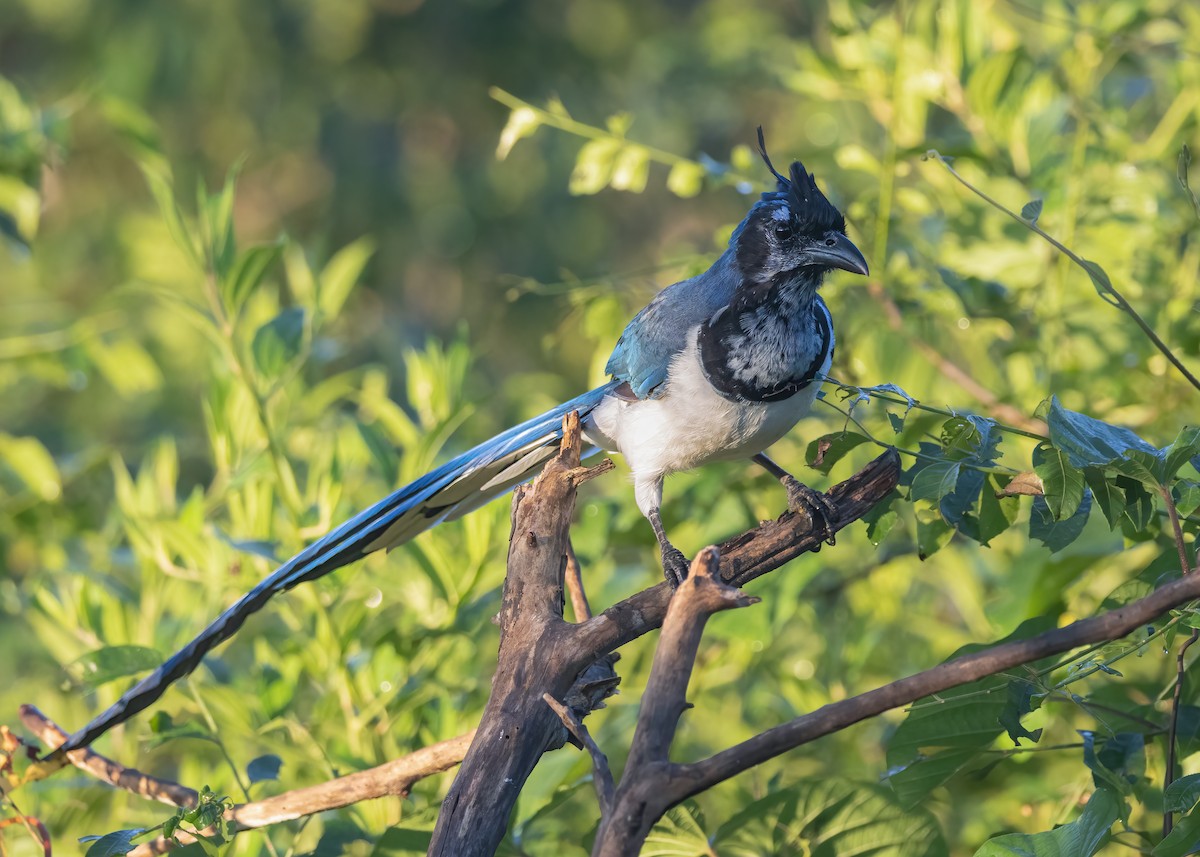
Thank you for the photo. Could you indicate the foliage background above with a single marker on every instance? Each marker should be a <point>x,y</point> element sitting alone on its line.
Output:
<point>151,456</point>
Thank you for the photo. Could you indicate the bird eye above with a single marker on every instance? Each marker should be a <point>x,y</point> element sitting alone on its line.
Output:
<point>783,231</point>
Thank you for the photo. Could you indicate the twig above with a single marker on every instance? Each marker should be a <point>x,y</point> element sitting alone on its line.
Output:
<point>1185,567</point>
<point>603,778</point>
<point>1169,776</point>
<point>393,778</point>
<point>105,769</point>
<point>1092,270</point>
<point>575,591</point>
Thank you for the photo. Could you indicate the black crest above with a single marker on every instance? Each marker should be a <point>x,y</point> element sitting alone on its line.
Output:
<point>811,211</point>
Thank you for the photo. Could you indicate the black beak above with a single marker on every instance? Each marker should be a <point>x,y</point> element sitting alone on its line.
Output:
<point>838,251</point>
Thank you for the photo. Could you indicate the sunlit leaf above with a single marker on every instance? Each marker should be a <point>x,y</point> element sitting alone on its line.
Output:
<point>341,274</point>
<point>112,662</point>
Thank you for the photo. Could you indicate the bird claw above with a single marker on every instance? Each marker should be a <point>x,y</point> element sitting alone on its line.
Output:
<point>818,507</point>
<point>675,566</point>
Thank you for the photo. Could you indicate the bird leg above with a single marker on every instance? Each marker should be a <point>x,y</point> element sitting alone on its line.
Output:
<point>675,564</point>
<point>818,507</point>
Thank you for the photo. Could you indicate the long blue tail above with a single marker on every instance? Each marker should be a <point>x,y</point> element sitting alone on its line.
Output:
<point>453,489</point>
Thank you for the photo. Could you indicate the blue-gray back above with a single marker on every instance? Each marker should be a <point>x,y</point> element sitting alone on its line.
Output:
<point>659,332</point>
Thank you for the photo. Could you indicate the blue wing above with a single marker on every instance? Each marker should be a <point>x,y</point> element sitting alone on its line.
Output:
<point>644,352</point>
<point>451,490</point>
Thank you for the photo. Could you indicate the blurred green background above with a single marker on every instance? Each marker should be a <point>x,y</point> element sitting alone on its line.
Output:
<point>412,293</point>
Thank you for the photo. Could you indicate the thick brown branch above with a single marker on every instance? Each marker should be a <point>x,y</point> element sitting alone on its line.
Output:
<point>696,777</point>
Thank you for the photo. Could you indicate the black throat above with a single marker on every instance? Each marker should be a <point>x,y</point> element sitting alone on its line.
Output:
<point>768,344</point>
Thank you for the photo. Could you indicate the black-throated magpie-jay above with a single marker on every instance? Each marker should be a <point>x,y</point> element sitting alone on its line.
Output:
<point>716,367</point>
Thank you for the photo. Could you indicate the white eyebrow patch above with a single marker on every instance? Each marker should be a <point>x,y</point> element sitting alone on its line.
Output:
<point>781,213</point>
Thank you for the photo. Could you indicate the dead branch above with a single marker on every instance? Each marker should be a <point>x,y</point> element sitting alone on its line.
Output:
<point>394,778</point>
<point>105,769</point>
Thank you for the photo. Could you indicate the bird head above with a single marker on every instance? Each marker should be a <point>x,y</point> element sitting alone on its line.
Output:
<point>794,231</point>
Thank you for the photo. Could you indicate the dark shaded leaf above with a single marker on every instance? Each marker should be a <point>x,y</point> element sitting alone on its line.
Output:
<point>264,768</point>
<point>112,844</point>
<point>1108,496</point>
<point>1056,535</point>
<point>1023,698</point>
<point>1120,761</point>
<point>278,342</point>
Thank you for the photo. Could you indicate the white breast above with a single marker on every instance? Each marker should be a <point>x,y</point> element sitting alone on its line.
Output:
<point>692,424</point>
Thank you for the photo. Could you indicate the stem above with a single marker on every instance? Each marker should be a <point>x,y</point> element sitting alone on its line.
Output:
<point>1185,566</point>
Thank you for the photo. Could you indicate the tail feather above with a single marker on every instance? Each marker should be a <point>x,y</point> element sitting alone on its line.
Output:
<point>462,484</point>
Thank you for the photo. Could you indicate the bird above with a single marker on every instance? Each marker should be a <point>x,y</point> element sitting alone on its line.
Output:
<point>716,367</point>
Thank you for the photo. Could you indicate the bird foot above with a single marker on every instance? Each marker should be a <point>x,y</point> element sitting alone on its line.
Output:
<point>675,566</point>
<point>818,507</point>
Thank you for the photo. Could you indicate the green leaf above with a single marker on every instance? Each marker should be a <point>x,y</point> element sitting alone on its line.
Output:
<point>1080,838</point>
<point>341,273</point>
<point>1062,483</point>
<point>1145,467</point>
<point>277,342</point>
<point>827,817</point>
<point>32,464</point>
<point>1107,494</point>
<point>1032,210</point>
<point>996,513</point>
<point>679,831</point>
<point>163,192</point>
<point>827,450</point>
<point>248,272</point>
<point>1139,503</point>
<point>112,662</point>
<point>935,481</point>
<point>1100,281</point>
<point>113,844</point>
<point>943,734</point>
<point>1186,494</point>
<point>402,842</point>
<point>264,768</point>
<point>1185,446</point>
<point>522,122</point>
<point>1088,441</point>
<point>1121,761</point>
<point>686,179</point>
<point>594,166</point>
<point>1056,535</point>
<point>1183,794</point>
<point>1181,173</point>
<point>631,169</point>
<point>881,518</point>
<point>933,534</point>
